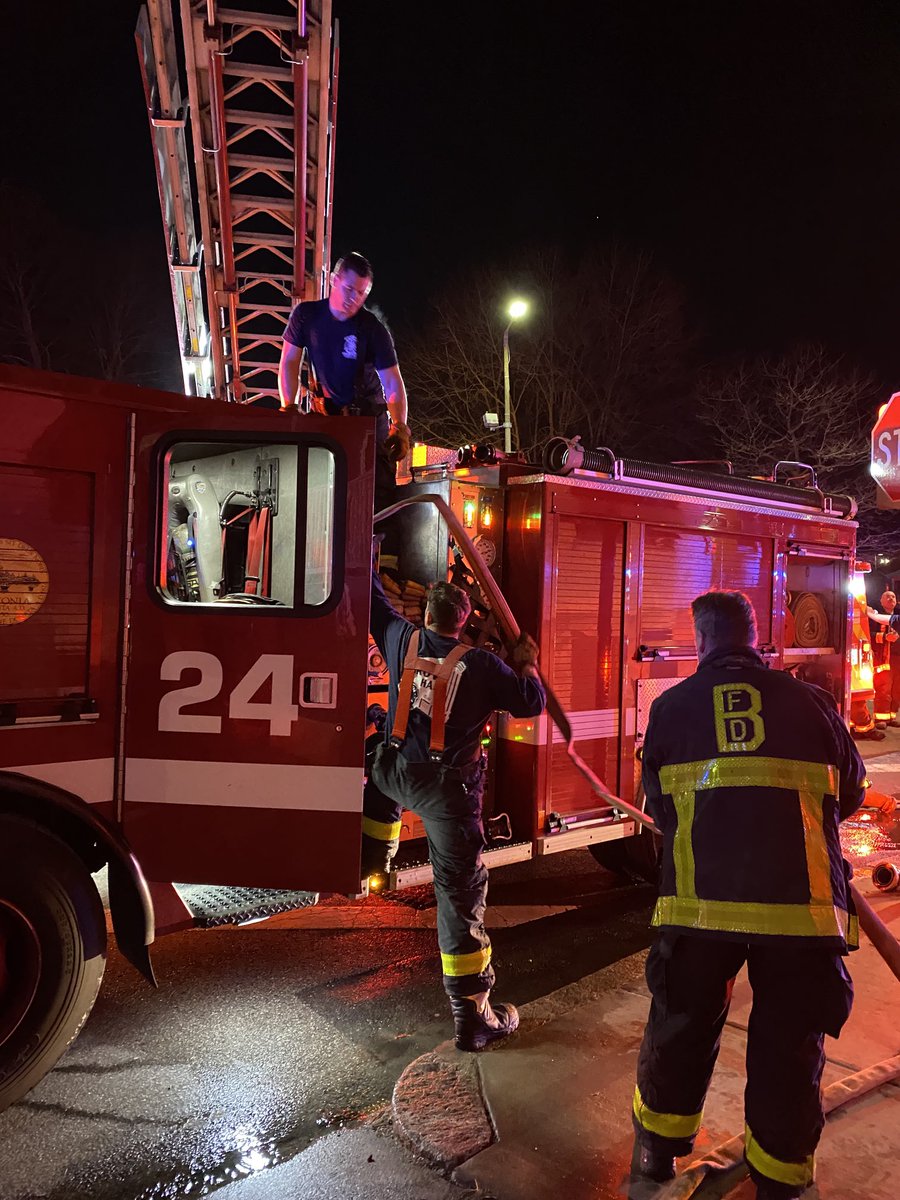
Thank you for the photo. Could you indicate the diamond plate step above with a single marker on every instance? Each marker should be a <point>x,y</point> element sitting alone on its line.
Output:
<point>211,906</point>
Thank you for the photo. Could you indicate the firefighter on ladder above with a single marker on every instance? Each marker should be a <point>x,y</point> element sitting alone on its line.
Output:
<point>338,358</point>
<point>441,694</point>
<point>747,773</point>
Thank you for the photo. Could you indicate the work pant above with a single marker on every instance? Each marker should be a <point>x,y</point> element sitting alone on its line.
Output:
<point>799,994</point>
<point>885,704</point>
<point>449,805</point>
<point>861,720</point>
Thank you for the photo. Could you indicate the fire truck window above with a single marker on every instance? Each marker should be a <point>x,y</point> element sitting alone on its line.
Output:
<point>230,534</point>
<point>319,526</point>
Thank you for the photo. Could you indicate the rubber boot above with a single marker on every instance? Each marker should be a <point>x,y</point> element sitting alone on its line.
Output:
<point>655,1164</point>
<point>474,1030</point>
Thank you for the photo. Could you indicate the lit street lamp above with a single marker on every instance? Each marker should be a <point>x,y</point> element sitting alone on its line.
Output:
<point>516,309</point>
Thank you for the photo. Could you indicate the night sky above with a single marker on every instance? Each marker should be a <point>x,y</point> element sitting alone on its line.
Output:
<point>754,148</point>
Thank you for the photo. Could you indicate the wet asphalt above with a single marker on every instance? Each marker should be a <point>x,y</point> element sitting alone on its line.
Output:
<point>263,1040</point>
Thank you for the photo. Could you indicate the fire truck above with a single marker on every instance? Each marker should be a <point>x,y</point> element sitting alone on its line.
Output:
<point>185,684</point>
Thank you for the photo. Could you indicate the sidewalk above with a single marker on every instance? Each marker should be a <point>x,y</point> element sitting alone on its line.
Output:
<point>548,1113</point>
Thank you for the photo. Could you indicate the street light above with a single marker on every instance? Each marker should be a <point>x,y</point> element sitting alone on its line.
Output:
<point>515,310</point>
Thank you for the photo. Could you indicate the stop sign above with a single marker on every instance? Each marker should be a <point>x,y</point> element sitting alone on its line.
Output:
<point>885,463</point>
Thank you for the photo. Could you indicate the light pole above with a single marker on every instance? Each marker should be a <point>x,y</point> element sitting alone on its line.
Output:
<point>516,309</point>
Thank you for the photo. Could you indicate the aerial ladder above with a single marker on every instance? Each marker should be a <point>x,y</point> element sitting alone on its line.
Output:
<point>244,164</point>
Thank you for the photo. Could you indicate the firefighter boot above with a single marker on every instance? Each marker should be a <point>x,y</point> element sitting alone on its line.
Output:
<point>772,1190</point>
<point>655,1164</point>
<point>477,1025</point>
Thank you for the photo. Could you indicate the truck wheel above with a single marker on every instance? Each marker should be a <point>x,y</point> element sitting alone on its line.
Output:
<point>635,858</point>
<point>52,952</point>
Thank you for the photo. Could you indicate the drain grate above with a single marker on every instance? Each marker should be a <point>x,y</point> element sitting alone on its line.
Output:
<point>211,906</point>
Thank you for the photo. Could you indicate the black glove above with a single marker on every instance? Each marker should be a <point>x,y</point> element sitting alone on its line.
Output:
<point>397,443</point>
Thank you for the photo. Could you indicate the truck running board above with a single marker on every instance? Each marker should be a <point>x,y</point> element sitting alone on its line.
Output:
<point>417,874</point>
<point>211,906</point>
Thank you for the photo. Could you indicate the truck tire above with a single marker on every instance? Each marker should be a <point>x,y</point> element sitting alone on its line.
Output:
<point>52,952</point>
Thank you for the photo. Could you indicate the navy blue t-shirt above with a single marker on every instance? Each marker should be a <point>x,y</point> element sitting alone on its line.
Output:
<point>336,348</point>
<point>481,684</point>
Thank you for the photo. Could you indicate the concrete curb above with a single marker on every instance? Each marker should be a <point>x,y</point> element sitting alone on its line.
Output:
<point>439,1108</point>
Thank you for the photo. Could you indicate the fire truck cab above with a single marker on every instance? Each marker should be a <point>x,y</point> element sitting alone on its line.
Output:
<point>184,668</point>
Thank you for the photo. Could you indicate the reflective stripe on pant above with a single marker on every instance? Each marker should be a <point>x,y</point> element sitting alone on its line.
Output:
<point>380,832</point>
<point>455,840</point>
<point>799,994</point>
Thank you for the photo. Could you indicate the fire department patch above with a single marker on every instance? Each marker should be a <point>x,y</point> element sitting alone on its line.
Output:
<point>24,581</point>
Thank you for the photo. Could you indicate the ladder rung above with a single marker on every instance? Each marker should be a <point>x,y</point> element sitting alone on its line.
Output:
<point>280,203</point>
<point>249,238</point>
<point>244,116</point>
<point>261,161</point>
<point>255,70</point>
<point>273,276</point>
<point>234,16</point>
<point>264,308</point>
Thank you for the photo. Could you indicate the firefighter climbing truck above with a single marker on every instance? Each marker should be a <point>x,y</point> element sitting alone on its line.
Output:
<point>184,670</point>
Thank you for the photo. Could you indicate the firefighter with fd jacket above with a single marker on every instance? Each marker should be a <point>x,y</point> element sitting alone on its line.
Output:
<point>440,696</point>
<point>747,773</point>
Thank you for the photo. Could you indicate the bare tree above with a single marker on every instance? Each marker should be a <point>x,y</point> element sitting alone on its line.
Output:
<point>605,336</point>
<point>28,237</point>
<point>807,406</point>
<point>118,337</point>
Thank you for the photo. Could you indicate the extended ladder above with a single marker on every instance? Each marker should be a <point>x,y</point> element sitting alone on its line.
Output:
<point>249,157</point>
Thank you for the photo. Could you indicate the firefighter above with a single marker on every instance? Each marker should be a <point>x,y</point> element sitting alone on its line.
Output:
<point>747,773</point>
<point>885,636</point>
<point>344,357</point>
<point>441,694</point>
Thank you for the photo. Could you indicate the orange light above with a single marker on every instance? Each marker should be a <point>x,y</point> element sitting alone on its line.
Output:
<point>487,514</point>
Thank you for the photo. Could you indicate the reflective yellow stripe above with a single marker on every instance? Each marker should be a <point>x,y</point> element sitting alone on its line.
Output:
<point>812,782</point>
<point>794,1174</point>
<point>735,916</point>
<point>852,935</point>
<point>381,831</point>
<point>682,844</point>
<point>466,964</point>
<point>744,770</point>
<point>818,862</point>
<point>670,1125</point>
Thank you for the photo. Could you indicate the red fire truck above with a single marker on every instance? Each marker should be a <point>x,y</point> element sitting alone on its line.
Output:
<point>184,692</point>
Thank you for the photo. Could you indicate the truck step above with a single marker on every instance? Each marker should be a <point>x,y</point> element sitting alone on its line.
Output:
<point>210,905</point>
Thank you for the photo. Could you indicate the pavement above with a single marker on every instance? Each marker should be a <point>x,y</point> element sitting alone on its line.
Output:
<point>547,1113</point>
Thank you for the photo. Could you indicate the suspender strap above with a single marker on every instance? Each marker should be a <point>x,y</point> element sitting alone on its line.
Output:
<point>442,676</point>
<point>439,700</point>
<point>401,716</point>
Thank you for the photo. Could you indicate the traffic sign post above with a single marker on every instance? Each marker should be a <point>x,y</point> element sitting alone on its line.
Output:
<point>885,461</point>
